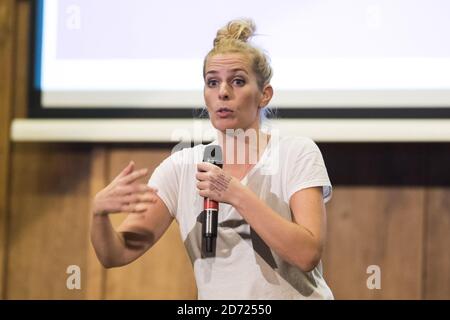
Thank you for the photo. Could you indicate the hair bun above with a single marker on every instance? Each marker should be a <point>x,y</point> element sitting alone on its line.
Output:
<point>241,29</point>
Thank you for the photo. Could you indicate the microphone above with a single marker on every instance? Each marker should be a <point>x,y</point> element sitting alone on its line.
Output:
<point>212,154</point>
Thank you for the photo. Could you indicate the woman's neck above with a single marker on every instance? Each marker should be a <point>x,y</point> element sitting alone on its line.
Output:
<point>241,147</point>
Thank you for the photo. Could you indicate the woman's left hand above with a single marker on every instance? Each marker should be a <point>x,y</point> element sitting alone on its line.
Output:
<point>216,184</point>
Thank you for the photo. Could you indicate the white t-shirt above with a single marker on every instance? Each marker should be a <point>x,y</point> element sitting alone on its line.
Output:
<point>244,267</point>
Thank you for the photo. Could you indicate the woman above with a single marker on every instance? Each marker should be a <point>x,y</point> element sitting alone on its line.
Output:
<point>272,220</point>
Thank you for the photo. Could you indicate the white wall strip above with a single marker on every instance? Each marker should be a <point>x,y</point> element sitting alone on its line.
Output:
<point>175,130</point>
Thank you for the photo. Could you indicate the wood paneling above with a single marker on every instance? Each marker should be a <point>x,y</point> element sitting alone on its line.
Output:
<point>46,191</point>
<point>437,253</point>
<point>375,226</point>
<point>7,10</point>
<point>163,272</point>
<point>48,228</point>
<point>21,63</point>
<point>95,273</point>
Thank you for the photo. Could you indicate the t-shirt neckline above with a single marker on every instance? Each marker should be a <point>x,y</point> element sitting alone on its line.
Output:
<point>258,164</point>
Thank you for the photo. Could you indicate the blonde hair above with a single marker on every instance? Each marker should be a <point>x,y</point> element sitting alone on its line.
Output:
<point>233,38</point>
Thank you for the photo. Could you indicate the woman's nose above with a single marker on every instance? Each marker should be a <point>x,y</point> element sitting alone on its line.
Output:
<point>224,91</point>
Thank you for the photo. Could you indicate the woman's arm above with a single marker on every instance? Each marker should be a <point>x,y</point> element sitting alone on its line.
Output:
<point>148,218</point>
<point>137,234</point>
<point>299,242</point>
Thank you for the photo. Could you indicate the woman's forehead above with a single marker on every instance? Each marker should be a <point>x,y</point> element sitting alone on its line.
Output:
<point>228,62</point>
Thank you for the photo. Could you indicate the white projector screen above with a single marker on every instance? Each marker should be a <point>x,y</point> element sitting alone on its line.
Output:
<point>114,56</point>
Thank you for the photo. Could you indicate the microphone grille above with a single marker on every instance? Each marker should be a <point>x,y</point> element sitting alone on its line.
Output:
<point>213,154</point>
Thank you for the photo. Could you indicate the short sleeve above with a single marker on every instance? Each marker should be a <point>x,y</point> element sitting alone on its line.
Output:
<point>306,168</point>
<point>165,178</point>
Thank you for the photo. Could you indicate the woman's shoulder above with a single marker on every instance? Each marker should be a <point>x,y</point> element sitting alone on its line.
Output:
<point>187,154</point>
<point>297,144</point>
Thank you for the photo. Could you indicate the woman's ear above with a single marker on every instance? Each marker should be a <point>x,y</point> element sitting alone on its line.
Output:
<point>266,95</point>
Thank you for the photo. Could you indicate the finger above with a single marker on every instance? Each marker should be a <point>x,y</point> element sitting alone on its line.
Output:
<point>107,207</point>
<point>135,207</point>
<point>204,193</point>
<point>139,197</point>
<point>201,176</point>
<point>127,170</point>
<point>202,185</point>
<point>205,166</point>
<point>133,188</point>
<point>134,176</point>
<point>148,197</point>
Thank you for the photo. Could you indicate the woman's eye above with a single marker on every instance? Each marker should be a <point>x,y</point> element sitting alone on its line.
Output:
<point>239,82</point>
<point>211,83</point>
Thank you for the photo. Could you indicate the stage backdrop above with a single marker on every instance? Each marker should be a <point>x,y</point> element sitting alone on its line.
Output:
<point>390,209</point>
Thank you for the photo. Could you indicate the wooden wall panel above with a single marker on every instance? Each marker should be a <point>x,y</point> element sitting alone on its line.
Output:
<point>375,226</point>
<point>7,9</point>
<point>49,220</point>
<point>21,63</point>
<point>437,254</point>
<point>163,272</point>
<point>95,273</point>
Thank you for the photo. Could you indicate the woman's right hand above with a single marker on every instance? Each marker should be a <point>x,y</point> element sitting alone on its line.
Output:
<point>123,195</point>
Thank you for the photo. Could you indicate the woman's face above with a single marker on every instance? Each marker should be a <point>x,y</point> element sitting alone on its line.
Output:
<point>231,92</point>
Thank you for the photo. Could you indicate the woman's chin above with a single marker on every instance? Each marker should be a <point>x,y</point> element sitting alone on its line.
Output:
<point>223,124</point>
